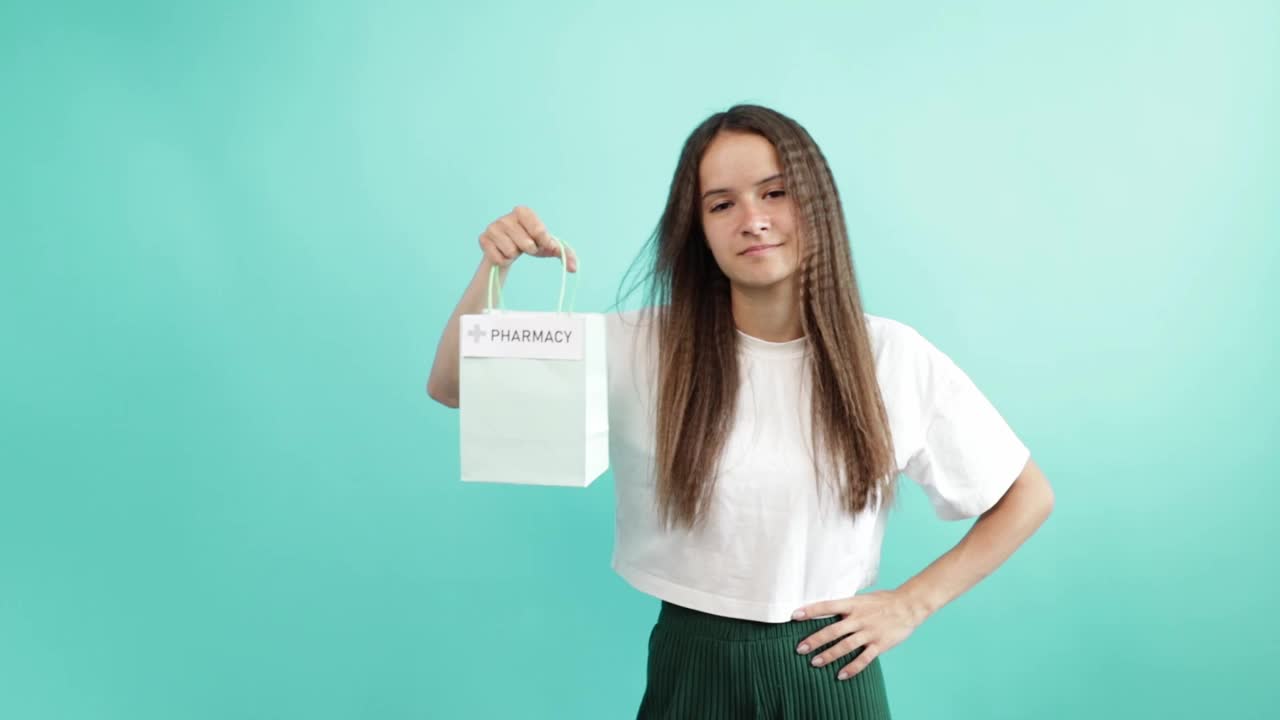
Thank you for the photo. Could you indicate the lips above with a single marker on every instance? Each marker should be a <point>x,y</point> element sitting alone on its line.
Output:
<point>759,249</point>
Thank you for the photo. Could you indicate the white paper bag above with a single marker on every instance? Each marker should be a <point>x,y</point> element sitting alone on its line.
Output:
<point>533,397</point>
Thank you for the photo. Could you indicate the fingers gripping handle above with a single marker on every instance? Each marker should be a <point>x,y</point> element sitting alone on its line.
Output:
<point>496,288</point>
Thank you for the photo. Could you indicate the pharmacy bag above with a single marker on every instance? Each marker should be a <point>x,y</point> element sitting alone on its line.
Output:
<point>533,394</point>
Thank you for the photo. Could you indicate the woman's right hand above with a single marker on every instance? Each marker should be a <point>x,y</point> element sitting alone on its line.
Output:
<point>517,233</point>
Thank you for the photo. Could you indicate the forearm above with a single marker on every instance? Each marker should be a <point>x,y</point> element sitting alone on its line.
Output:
<point>442,385</point>
<point>995,535</point>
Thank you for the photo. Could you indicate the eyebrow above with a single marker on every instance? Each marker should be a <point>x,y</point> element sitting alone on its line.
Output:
<point>771,178</point>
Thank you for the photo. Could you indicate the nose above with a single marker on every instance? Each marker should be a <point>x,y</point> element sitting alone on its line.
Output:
<point>757,224</point>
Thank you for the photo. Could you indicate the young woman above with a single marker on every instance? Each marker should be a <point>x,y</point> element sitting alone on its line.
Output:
<point>758,420</point>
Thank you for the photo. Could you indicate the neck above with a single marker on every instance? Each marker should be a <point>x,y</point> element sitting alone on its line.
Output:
<point>771,313</point>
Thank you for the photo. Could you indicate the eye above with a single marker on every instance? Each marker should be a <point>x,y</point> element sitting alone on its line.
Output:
<point>717,206</point>
<point>776,193</point>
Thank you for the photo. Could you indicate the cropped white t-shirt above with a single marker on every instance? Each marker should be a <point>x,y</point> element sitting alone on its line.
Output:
<point>772,542</point>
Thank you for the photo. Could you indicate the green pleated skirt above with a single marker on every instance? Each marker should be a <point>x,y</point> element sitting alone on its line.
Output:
<point>708,667</point>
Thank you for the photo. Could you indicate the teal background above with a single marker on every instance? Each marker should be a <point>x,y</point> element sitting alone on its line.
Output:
<point>232,236</point>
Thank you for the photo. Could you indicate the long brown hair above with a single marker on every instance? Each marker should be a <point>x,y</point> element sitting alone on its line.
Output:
<point>689,309</point>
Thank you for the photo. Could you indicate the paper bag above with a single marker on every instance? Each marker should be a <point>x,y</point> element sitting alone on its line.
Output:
<point>533,397</point>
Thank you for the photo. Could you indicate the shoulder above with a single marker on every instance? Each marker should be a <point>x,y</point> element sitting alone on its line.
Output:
<point>883,328</point>
<point>626,317</point>
<point>909,367</point>
<point>633,367</point>
<point>626,325</point>
<point>893,341</point>
<point>630,337</point>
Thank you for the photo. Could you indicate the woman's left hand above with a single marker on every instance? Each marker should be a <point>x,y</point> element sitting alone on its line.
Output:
<point>876,620</point>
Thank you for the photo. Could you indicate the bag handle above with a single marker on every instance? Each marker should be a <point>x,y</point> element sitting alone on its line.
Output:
<point>494,285</point>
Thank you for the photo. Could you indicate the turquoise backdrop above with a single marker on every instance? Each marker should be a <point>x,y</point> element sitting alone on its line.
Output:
<point>232,234</point>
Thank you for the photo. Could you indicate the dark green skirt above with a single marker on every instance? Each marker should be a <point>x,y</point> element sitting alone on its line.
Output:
<point>706,667</point>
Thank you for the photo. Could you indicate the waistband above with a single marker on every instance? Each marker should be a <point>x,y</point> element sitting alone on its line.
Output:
<point>688,621</point>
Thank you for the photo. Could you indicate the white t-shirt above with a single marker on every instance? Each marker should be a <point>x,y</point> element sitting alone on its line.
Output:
<point>771,542</point>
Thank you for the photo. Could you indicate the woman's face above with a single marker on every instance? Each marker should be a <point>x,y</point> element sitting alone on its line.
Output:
<point>747,214</point>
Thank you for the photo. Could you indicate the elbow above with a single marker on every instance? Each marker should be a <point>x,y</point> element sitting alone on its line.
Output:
<point>1046,506</point>
<point>1034,494</point>
<point>437,393</point>
<point>1046,496</point>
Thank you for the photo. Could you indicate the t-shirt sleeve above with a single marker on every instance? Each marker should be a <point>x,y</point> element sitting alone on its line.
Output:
<point>968,456</point>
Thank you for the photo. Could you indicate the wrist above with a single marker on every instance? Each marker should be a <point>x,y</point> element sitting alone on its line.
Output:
<point>487,265</point>
<point>919,601</point>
